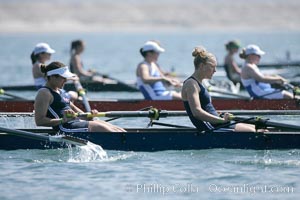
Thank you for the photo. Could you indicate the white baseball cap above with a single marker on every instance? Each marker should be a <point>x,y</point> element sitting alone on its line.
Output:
<point>152,46</point>
<point>43,48</point>
<point>254,49</point>
<point>62,71</point>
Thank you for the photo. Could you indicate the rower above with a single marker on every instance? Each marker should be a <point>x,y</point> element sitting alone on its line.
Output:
<point>53,107</point>
<point>257,84</point>
<point>196,98</point>
<point>40,55</point>
<point>77,67</point>
<point>232,69</point>
<point>150,78</point>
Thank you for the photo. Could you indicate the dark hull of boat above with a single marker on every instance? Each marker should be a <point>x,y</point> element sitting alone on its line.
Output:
<point>220,104</point>
<point>90,86</point>
<point>168,139</point>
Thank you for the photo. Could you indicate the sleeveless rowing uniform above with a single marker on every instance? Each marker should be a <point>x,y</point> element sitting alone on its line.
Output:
<point>231,75</point>
<point>259,90</point>
<point>154,91</point>
<point>40,81</point>
<point>82,78</point>
<point>206,105</point>
<point>60,103</point>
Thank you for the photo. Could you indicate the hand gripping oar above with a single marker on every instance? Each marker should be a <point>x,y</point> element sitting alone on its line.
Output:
<point>296,90</point>
<point>3,92</point>
<point>228,124</point>
<point>264,123</point>
<point>210,89</point>
<point>81,92</point>
<point>48,138</point>
<point>154,114</point>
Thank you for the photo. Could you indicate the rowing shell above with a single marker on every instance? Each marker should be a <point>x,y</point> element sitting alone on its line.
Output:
<point>156,139</point>
<point>90,86</point>
<point>114,105</point>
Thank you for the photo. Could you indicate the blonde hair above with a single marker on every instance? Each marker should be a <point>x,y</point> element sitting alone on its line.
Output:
<point>202,56</point>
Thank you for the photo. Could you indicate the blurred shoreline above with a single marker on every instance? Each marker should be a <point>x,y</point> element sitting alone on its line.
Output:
<point>148,16</point>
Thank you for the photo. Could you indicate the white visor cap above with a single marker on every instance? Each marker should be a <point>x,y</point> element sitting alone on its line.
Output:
<point>152,46</point>
<point>254,49</point>
<point>43,48</point>
<point>62,71</point>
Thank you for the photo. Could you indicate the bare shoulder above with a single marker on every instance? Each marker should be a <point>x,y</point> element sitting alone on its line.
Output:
<point>191,85</point>
<point>228,59</point>
<point>142,65</point>
<point>43,93</point>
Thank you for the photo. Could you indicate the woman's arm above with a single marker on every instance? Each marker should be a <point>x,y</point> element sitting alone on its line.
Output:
<point>192,95</point>
<point>76,63</point>
<point>264,78</point>
<point>143,72</point>
<point>233,65</point>
<point>41,104</point>
<point>75,108</point>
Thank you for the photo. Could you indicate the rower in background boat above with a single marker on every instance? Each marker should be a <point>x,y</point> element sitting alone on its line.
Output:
<point>232,69</point>
<point>77,67</point>
<point>196,98</point>
<point>40,55</point>
<point>52,105</point>
<point>150,78</point>
<point>257,84</point>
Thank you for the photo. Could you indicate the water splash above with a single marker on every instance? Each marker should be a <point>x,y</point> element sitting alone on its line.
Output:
<point>87,153</point>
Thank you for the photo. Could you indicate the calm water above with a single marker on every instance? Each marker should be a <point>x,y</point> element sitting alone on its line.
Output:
<point>205,174</point>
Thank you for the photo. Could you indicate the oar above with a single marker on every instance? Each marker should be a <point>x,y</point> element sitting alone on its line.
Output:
<point>263,123</point>
<point>143,109</point>
<point>179,113</point>
<point>117,80</point>
<point>3,92</point>
<point>261,112</point>
<point>153,114</point>
<point>49,138</point>
<point>81,92</point>
<point>210,89</point>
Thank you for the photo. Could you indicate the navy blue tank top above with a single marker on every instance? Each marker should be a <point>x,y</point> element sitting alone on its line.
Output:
<point>60,103</point>
<point>206,105</point>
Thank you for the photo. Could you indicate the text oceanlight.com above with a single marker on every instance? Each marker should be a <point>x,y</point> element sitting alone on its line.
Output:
<point>252,189</point>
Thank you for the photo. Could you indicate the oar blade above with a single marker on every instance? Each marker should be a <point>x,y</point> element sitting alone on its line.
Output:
<point>74,140</point>
<point>25,134</point>
<point>48,138</point>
